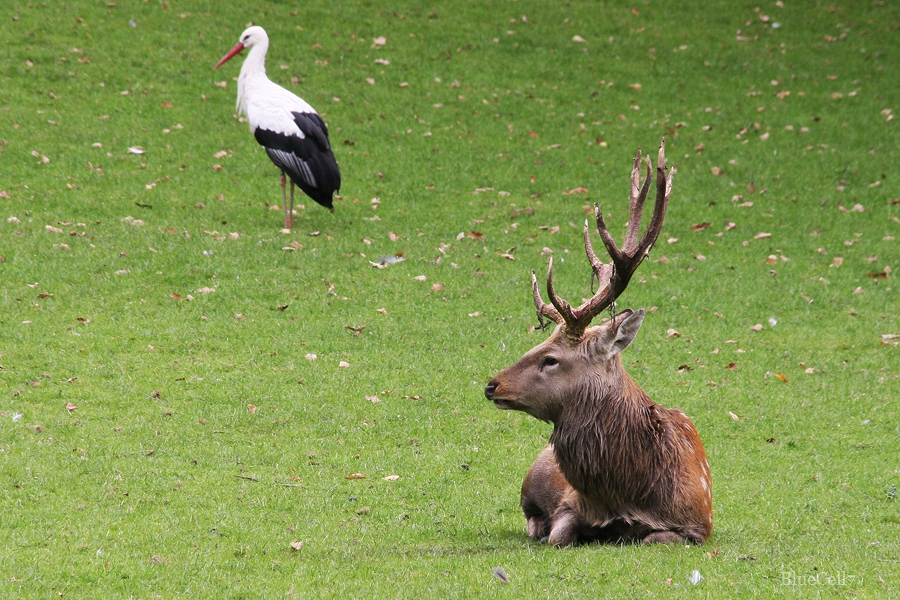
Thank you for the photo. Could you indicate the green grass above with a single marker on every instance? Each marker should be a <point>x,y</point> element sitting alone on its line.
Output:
<point>164,484</point>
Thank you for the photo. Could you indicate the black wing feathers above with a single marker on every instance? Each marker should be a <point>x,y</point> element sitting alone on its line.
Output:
<point>308,161</point>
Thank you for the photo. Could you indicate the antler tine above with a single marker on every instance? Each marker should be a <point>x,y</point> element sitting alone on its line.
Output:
<point>601,271</point>
<point>564,308</point>
<point>596,263</point>
<point>663,191</point>
<point>638,197</point>
<point>544,310</point>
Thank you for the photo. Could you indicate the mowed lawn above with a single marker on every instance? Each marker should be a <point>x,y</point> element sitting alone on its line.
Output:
<point>195,404</point>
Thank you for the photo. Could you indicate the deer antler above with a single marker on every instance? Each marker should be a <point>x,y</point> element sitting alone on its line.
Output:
<point>613,277</point>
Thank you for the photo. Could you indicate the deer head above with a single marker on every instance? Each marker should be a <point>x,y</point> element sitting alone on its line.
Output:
<point>541,380</point>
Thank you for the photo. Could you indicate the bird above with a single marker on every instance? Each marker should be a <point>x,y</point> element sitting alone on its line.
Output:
<point>290,130</point>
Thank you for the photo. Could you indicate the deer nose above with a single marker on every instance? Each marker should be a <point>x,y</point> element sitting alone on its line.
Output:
<point>489,390</point>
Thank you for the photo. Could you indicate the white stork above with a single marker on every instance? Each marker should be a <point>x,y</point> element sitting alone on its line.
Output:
<point>292,132</point>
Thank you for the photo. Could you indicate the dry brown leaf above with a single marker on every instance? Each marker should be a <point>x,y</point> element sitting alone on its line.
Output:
<point>71,407</point>
<point>375,399</point>
<point>699,226</point>
<point>757,327</point>
<point>297,545</point>
<point>393,236</point>
<point>780,377</point>
<point>762,235</point>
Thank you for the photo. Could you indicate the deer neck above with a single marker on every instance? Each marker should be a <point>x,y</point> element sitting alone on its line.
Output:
<point>601,431</point>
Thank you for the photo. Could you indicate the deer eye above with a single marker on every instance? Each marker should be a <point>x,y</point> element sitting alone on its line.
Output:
<point>548,361</point>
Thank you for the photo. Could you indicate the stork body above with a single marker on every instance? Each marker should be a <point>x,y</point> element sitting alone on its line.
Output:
<point>293,134</point>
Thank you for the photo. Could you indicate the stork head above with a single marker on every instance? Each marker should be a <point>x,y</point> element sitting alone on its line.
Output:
<point>252,36</point>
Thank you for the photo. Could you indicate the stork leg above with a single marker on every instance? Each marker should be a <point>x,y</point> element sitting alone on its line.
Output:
<point>284,200</point>
<point>290,215</point>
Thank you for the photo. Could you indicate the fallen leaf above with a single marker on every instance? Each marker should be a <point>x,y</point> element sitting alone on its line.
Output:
<point>297,545</point>
<point>699,226</point>
<point>310,356</point>
<point>71,407</point>
<point>475,235</point>
<point>251,408</point>
<point>757,327</point>
<point>762,235</point>
<point>734,416</point>
<point>578,190</point>
<point>780,377</point>
<point>393,236</point>
<point>392,478</point>
<point>355,476</point>
<point>373,398</point>
<point>381,310</point>
<point>672,333</point>
<point>343,364</point>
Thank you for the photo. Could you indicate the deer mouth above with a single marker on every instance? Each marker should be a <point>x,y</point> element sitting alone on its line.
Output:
<point>505,404</point>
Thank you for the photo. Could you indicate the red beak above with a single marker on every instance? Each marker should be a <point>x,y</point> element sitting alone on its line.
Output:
<point>236,50</point>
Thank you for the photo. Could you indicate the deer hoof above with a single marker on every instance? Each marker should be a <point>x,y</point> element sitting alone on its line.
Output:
<point>663,537</point>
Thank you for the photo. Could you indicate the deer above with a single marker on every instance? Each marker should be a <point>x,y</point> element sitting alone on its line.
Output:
<point>619,468</point>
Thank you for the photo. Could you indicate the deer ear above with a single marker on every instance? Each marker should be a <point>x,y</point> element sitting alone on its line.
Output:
<point>620,332</point>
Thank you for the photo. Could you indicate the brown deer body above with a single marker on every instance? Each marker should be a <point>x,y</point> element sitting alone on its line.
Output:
<point>619,467</point>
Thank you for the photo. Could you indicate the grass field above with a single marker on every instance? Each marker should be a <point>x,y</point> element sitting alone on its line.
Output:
<point>173,410</point>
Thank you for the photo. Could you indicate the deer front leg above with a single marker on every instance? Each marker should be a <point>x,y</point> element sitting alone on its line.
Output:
<point>565,522</point>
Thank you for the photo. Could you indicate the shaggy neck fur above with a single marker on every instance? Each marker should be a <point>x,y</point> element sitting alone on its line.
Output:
<point>600,446</point>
